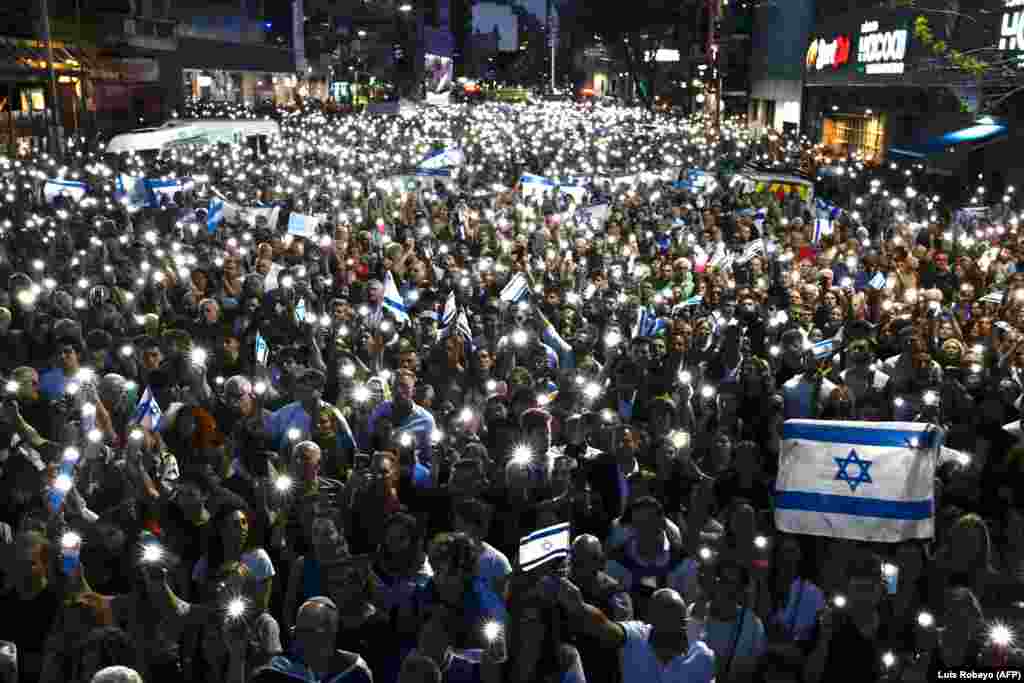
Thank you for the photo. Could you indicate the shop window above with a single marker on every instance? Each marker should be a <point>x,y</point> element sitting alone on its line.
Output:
<point>33,99</point>
<point>864,135</point>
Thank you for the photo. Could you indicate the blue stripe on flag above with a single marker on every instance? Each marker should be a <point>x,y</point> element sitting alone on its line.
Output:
<point>433,172</point>
<point>537,180</point>
<point>561,552</point>
<point>544,533</point>
<point>839,434</point>
<point>854,505</point>
<point>396,305</point>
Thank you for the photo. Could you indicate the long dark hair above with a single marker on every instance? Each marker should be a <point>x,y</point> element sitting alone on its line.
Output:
<point>215,550</point>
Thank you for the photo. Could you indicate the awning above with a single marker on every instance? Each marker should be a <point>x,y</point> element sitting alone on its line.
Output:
<point>983,131</point>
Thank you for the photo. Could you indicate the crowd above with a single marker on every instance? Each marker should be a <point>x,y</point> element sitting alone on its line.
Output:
<point>300,416</point>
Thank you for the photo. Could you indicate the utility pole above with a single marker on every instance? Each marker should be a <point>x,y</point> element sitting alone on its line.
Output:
<point>551,39</point>
<point>55,129</point>
<point>713,81</point>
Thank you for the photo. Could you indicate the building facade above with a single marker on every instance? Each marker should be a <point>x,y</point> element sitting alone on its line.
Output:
<point>875,90</point>
<point>780,36</point>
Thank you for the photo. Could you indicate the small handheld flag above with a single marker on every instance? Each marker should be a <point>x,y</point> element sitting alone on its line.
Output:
<point>450,310</point>
<point>262,349</point>
<point>516,289</point>
<point>393,300</point>
<point>543,546</point>
<point>147,411</point>
<point>214,214</point>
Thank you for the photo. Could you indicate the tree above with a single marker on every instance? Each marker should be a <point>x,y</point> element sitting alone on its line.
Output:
<point>996,73</point>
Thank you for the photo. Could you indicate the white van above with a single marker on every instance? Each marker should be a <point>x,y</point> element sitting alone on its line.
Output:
<point>179,132</point>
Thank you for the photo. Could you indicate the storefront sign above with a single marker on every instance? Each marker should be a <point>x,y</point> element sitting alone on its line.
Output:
<point>1012,35</point>
<point>882,52</point>
<point>823,53</point>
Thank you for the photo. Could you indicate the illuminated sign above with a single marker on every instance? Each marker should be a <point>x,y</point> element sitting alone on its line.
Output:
<point>663,55</point>
<point>823,53</point>
<point>882,52</point>
<point>1011,37</point>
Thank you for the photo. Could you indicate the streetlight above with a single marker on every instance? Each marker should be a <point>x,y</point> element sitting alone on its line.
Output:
<point>405,7</point>
<point>361,33</point>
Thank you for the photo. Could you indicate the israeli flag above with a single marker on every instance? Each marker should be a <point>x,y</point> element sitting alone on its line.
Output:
<point>262,349</point>
<point>131,190</point>
<point>462,326</point>
<point>822,227</point>
<point>516,289</point>
<point>69,188</point>
<point>156,190</point>
<point>647,324</point>
<point>755,248</point>
<point>302,225</point>
<point>538,186</point>
<point>393,301</point>
<point>863,481</point>
<point>147,412</point>
<point>823,349</point>
<point>695,300</point>
<point>214,214</point>
<point>446,158</point>
<point>760,217</point>
<point>433,173</point>
<point>592,217</point>
<point>995,297</point>
<point>543,546</point>
<point>450,310</point>
<point>877,282</point>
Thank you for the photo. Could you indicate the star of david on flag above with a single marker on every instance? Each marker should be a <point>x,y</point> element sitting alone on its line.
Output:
<point>863,477</point>
<point>543,546</point>
<point>863,481</point>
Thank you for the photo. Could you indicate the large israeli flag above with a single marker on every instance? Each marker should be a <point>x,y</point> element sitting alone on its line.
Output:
<point>864,481</point>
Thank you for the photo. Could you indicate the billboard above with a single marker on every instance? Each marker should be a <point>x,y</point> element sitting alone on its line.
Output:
<point>439,73</point>
<point>487,16</point>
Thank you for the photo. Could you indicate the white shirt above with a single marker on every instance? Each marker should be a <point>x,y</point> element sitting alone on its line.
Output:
<point>796,395</point>
<point>641,665</point>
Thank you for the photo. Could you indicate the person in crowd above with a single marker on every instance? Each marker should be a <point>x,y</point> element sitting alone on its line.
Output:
<point>451,383</point>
